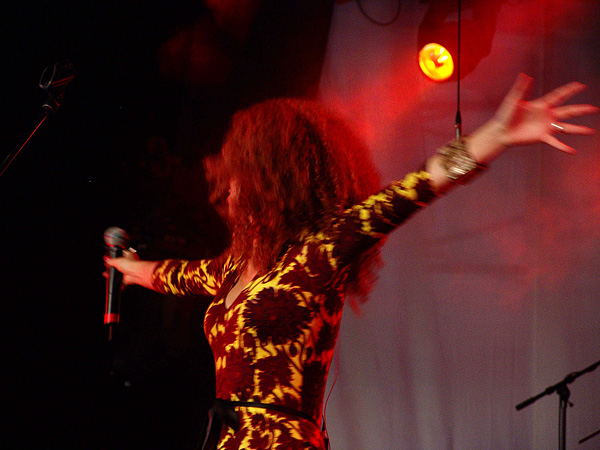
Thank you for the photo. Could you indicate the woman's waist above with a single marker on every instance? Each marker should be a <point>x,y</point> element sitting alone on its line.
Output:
<point>253,406</point>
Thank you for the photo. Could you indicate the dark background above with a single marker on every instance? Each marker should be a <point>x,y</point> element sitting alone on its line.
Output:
<point>156,83</point>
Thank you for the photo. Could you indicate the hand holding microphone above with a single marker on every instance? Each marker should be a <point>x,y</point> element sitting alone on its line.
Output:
<point>123,268</point>
<point>116,241</point>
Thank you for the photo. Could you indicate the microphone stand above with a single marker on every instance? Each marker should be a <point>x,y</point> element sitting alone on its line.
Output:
<point>54,81</point>
<point>587,438</point>
<point>563,392</point>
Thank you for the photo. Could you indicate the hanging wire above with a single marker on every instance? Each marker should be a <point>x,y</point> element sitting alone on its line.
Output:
<point>376,22</point>
<point>324,413</point>
<point>458,120</point>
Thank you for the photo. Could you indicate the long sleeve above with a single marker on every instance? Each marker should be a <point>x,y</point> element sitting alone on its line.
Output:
<point>200,277</point>
<point>366,223</point>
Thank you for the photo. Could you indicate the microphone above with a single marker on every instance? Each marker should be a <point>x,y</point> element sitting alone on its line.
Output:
<point>54,81</point>
<point>116,241</point>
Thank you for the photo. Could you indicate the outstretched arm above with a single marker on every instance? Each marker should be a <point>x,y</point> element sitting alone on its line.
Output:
<point>172,276</point>
<point>518,122</point>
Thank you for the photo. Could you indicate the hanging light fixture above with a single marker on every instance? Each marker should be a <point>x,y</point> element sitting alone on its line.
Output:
<point>441,25</point>
<point>436,62</point>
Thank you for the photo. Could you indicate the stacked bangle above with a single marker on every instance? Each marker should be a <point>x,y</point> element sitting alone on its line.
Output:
<point>458,164</point>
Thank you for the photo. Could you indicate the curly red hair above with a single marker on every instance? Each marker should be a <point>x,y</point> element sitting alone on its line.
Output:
<point>298,166</point>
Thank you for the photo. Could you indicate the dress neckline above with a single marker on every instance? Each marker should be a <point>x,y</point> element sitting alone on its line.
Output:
<point>230,284</point>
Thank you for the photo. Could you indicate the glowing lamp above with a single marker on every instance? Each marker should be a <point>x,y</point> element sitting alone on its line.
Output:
<point>436,62</point>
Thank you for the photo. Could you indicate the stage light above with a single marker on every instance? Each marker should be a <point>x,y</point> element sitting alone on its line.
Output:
<point>436,62</point>
<point>478,26</point>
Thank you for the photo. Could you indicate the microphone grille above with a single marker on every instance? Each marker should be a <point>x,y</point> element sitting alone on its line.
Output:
<point>116,237</point>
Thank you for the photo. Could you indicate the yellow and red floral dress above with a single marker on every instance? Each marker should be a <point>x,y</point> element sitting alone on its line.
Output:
<point>275,343</point>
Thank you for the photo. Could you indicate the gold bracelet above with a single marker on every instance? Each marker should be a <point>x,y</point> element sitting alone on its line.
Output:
<point>458,164</point>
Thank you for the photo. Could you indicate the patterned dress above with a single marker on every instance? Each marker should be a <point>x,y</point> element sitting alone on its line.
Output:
<point>274,344</point>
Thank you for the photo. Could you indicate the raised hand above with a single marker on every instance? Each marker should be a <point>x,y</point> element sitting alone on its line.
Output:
<point>541,120</point>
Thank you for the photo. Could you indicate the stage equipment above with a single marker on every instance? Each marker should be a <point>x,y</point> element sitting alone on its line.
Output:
<point>54,81</point>
<point>587,438</point>
<point>440,66</point>
<point>563,393</point>
<point>116,241</point>
<point>441,26</point>
<point>436,62</point>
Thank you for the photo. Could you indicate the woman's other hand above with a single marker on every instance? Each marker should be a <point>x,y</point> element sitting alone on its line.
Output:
<point>133,269</point>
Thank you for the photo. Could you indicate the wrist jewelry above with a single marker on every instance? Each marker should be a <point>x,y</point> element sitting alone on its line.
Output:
<point>458,164</point>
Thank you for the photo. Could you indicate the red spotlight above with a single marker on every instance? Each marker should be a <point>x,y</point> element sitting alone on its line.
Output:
<point>478,26</point>
<point>436,62</point>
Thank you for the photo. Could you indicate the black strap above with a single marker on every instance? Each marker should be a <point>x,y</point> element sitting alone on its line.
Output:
<point>272,407</point>
<point>223,413</point>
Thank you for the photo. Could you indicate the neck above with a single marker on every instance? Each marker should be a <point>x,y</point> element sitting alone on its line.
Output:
<point>248,274</point>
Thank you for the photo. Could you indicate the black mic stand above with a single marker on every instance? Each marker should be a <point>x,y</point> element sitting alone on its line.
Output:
<point>563,392</point>
<point>54,81</point>
<point>587,438</point>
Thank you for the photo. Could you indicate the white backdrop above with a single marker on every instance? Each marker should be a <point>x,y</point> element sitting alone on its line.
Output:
<point>490,295</point>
